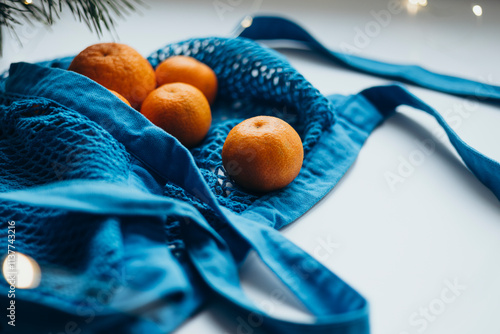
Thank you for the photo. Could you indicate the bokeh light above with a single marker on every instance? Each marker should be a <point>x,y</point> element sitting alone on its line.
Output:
<point>21,271</point>
<point>247,22</point>
<point>412,6</point>
<point>477,10</point>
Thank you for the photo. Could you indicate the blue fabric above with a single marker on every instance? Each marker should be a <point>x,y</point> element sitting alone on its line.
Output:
<point>487,170</point>
<point>187,256</point>
<point>134,232</point>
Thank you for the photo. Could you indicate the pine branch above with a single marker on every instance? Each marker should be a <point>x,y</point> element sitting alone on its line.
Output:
<point>97,15</point>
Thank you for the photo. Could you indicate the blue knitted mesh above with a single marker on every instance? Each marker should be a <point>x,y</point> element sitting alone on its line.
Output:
<point>253,80</point>
<point>42,142</point>
<point>256,80</point>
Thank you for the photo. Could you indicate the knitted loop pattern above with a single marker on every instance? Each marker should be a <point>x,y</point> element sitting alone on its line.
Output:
<point>40,143</point>
<point>253,80</point>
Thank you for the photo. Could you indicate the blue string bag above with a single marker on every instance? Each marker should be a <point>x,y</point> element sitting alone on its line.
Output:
<point>134,233</point>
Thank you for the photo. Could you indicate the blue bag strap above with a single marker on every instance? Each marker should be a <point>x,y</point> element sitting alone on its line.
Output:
<point>279,28</point>
<point>337,307</point>
<point>386,99</point>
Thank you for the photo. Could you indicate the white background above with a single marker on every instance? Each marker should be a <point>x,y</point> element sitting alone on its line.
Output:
<point>396,246</point>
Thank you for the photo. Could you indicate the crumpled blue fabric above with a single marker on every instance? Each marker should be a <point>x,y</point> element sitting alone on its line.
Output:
<point>134,233</point>
<point>67,142</point>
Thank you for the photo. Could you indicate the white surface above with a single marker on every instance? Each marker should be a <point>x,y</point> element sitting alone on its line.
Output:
<point>397,247</point>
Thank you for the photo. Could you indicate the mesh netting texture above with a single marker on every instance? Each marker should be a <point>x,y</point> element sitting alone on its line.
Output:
<point>42,142</point>
<point>253,80</point>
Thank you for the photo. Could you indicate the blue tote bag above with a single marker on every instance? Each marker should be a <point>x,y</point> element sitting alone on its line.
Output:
<point>134,233</point>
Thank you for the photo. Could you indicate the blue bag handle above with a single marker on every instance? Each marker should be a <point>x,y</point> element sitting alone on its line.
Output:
<point>387,98</point>
<point>337,307</point>
<point>276,28</point>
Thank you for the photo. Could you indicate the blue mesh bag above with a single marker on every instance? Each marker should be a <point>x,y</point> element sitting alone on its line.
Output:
<point>134,233</point>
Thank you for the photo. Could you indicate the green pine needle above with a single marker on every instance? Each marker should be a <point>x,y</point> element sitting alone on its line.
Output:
<point>97,15</point>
